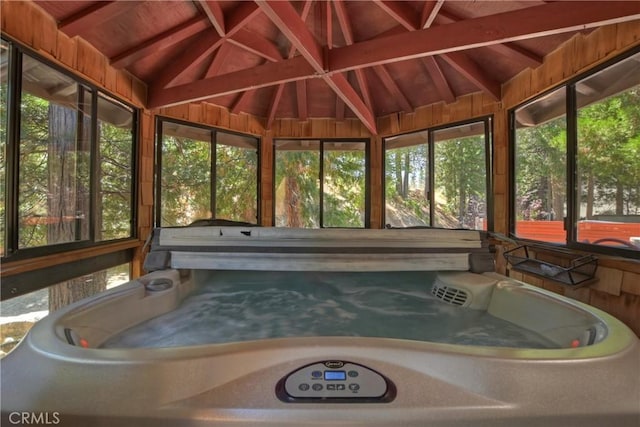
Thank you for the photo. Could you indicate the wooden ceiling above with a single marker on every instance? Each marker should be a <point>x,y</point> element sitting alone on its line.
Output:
<point>337,59</point>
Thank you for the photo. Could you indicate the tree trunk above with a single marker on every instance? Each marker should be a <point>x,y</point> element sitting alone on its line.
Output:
<point>68,162</point>
<point>619,198</point>
<point>405,180</point>
<point>292,201</point>
<point>398,163</point>
<point>590,195</point>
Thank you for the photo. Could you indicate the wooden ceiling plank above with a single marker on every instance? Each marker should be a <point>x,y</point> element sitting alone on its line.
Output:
<point>214,12</point>
<point>329,25</point>
<point>521,24</point>
<point>271,73</point>
<point>256,44</point>
<point>98,13</point>
<point>187,59</point>
<point>273,106</point>
<point>339,108</point>
<point>429,12</point>
<point>301,95</point>
<point>285,17</point>
<point>162,41</point>
<point>347,93</point>
<point>393,88</point>
<point>470,70</point>
<point>439,79</point>
<point>400,12</point>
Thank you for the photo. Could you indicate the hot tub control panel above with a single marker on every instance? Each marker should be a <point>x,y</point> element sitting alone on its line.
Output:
<point>333,381</point>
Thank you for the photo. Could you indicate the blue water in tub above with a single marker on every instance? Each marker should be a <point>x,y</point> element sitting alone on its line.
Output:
<point>230,306</point>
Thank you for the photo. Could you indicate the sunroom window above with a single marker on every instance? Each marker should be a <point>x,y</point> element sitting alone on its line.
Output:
<point>576,157</point>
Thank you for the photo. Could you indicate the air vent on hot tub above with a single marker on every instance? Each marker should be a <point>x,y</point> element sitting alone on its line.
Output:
<point>464,289</point>
<point>449,295</point>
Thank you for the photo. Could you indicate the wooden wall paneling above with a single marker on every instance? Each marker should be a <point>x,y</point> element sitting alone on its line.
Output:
<point>628,34</point>
<point>630,283</point>
<point>124,84</point>
<point>195,113</point>
<point>17,28</point>
<point>582,294</point>
<point>625,307</point>
<point>609,281</point>
<point>66,51</point>
<point>92,64</point>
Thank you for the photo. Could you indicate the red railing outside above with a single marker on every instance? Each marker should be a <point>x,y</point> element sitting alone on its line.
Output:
<point>588,232</point>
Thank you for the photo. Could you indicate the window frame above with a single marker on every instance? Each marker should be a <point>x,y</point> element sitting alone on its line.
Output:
<point>488,146</point>
<point>572,192</point>
<point>157,212</point>
<point>321,142</point>
<point>14,93</point>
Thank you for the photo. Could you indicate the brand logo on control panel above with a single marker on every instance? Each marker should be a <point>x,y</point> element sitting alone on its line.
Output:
<point>332,364</point>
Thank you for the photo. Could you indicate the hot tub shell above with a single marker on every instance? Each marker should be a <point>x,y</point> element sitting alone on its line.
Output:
<point>235,383</point>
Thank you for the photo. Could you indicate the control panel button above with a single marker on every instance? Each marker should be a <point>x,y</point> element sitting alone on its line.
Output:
<point>317,386</point>
<point>352,373</point>
<point>303,387</point>
<point>354,387</point>
<point>316,374</point>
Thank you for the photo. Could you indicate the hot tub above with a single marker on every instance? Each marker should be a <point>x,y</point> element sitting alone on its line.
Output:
<point>559,362</point>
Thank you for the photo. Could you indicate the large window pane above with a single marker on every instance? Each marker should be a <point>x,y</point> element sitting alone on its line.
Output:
<point>236,177</point>
<point>540,168</point>
<point>407,180</point>
<point>608,158</point>
<point>185,191</point>
<point>343,184</point>
<point>460,177</point>
<point>55,140</point>
<point>297,184</point>
<point>115,175</point>
<point>4,99</point>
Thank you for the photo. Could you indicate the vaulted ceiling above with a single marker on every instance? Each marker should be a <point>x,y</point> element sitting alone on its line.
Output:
<point>338,59</point>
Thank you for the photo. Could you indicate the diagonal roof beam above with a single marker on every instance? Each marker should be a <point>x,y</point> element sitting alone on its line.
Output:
<point>162,41</point>
<point>401,12</point>
<point>429,12</point>
<point>93,15</point>
<point>442,86</point>
<point>218,61</point>
<point>285,17</point>
<point>392,87</point>
<point>521,24</point>
<point>273,107</point>
<point>465,66</point>
<point>240,101</point>
<point>347,32</point>
<point>559,17</point>
<point>214,12</point>
<point>256,44</point>
<point>294,28</point>
<point>510,50</point>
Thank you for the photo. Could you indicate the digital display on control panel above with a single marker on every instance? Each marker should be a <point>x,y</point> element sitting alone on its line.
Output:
<point>335,375</point>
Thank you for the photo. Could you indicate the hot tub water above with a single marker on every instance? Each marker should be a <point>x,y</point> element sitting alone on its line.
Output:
<point>230,306</point>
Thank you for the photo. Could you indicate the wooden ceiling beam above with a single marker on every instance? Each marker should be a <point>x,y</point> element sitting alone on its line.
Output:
<point>439,79</point>
<point>273,105</point>
<point>285,17</point>
<point>218,61</point>
<point>214,12</point>
<point>393,88</point>
<point>429,12</point>
<point>521,24</point>
<point>96,14</point>
<point>268,74</point>
<point>400,12</point>
<point>240,101</point>
<point>162,41</point>
<point>240,16</point>
<point>510,50</point>
<point>342,88</point>
<point>256,44</point>
<point>187,59</point>
<point>472,71</point>
<point>347,33</point>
